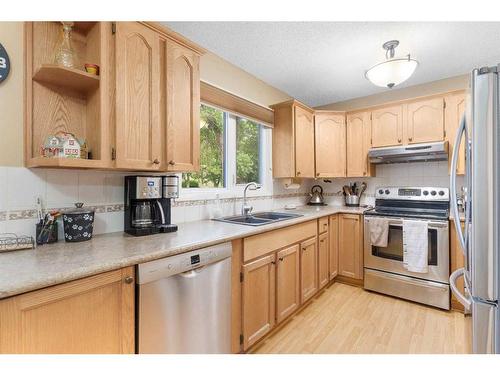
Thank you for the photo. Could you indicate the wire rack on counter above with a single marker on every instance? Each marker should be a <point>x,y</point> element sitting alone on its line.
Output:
<point>11,242</point>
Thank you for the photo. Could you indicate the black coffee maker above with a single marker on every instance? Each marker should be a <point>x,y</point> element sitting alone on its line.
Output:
<point>148,204</point>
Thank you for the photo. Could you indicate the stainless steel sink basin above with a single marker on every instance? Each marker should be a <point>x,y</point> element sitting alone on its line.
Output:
<point>259,218</point>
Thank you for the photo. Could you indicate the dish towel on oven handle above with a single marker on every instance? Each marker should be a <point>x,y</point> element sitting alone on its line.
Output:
<point>379,231</point>
<point>415,246</point>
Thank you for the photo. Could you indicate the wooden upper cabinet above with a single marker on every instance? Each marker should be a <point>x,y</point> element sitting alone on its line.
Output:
<point>287,282</point>
<point>333,245</point>
<point>323,265</point>
<point>293,140</point>
<point>308,269</point>
<point>138,131</point>
<point>455,108</point>
<point>350,246</point>
<point>183,108</point>
<point>387,126</point>
<point>330,140</point>
<point>425,121</point>
<point>258,296</point>
<point>358,144</point>
<point>304,142</point>
<point>94,315</point>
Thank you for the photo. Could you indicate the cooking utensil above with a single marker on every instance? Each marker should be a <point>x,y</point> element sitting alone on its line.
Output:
<point>316,196</point>
<point>363,188</point>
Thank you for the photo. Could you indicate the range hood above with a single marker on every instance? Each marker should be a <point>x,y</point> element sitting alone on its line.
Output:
<point>434,151</point>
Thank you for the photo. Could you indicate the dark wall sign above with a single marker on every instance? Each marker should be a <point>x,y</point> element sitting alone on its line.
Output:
<point>4,64</point>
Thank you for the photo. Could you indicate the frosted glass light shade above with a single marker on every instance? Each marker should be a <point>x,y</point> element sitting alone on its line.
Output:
<point>391,73</point>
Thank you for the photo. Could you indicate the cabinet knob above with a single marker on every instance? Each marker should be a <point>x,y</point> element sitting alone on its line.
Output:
<point>298,173</point>
<point>129,280</point>
<point>281,259</point>
<point>171,162</point>
<point>317,174</point>
<point>156,161</point>
<point>273,262</point>
<point>322,241</point>
<point>410,139</point>
<point>304,248</point>
<point>399,140</point>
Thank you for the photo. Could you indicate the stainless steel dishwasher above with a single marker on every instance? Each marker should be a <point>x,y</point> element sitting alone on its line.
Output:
<point>185,302</point>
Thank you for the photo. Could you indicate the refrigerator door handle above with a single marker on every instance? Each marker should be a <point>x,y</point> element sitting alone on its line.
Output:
<point>466,302</point>
<point>462,235</point>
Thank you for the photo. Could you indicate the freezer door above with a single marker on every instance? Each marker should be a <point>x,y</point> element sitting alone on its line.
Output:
<point>483,250</point>
<point>485,328</point>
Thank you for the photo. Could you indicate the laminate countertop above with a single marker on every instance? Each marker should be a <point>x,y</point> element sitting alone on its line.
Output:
<point>26,270</point>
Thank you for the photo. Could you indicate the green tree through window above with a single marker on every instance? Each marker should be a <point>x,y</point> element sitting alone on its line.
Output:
<point>247,151</point>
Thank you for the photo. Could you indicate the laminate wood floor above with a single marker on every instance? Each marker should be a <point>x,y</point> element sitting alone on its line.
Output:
<point>346,319</point>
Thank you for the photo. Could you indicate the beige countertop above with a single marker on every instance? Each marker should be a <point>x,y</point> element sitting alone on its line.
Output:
<point>26,270</point>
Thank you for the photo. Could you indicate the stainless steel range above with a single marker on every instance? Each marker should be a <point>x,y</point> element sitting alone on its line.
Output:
<point>385,271</point>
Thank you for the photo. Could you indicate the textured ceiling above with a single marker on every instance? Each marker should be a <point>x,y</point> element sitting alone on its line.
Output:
<point>324,62</point>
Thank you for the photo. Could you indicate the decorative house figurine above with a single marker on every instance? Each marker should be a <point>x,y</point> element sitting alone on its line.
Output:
<point>64,145</point>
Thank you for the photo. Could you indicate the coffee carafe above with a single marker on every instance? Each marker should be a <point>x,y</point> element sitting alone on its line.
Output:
<point>148,204</point>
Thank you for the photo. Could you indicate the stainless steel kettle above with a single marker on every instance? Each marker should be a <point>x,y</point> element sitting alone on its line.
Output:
<point>316,196</point>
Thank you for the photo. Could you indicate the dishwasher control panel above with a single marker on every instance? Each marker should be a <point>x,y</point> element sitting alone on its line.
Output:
<point>166,267</point>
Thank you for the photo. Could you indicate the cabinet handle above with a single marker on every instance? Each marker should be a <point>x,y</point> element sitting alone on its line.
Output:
<point>298,173</point>
<point>399,140</point>
<point>129,280</point>
<point>410,139</point>
<point>171,162</point>
<point>321,240</point>
<point>304,248</point>
<point>317,174</point>
<point>156,161</point>
<point>273,262</point>
<point>281,259</point>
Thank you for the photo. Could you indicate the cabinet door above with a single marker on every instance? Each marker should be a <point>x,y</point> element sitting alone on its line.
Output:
<point>287,282</point>
<point>350,250</point>
<point>455,108</point>
<point>94,315</point>
<point>304,143</point>
<point>330,138</point>
<point>456,262</point>
<point>333,244</point>
<point>387,126</point>
<point>138,138</point>
<point>258,299</point>
<point>183,108</point>
<point>425,121</point>
<point>308,269</point>
<point>323,264</point>
<point>358,144</point>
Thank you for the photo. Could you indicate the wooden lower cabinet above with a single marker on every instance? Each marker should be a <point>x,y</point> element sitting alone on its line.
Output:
<point>287,282</point>
<point>350,246</point>
<point>258,296</point>
<point>308,269</point>
<point>456,261</point>
<point>87,316</point>
<point>333,246</point>
<point>323,264</point>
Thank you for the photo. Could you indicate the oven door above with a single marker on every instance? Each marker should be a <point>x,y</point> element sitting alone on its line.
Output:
<point>390,258</point>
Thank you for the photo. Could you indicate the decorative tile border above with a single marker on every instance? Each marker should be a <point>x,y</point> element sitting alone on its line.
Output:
<point>118,207</point>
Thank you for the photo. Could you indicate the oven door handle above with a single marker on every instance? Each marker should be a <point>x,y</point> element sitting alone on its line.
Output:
<point>431,224</point>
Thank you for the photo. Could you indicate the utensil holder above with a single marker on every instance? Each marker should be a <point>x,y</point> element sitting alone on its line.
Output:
<point>351,200</point>
<point>46,233</point>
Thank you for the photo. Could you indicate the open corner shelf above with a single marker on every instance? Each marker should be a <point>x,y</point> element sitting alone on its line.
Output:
<point>39,161</point>
<point>68,78</point>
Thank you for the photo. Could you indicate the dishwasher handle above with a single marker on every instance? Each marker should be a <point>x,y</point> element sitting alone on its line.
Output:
<point>182,264</point>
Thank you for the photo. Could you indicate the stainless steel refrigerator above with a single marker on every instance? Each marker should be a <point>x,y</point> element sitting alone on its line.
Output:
<point>480,237</point>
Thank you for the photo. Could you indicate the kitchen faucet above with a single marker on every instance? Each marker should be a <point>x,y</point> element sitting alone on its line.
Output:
<point>246,209</point>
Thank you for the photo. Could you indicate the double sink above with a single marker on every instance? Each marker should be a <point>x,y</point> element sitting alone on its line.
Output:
<point>257,219</point>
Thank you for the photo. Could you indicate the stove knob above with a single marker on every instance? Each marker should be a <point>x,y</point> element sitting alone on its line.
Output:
<point>441,192</point>
<point>387,191</point>
<point>433,192</point>
<point>426,192</point>
<point>381,191</point>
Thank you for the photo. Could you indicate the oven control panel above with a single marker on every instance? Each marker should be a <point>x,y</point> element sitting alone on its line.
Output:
<point>413,193</point>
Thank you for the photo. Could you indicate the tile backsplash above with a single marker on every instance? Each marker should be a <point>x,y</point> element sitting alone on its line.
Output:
<point>19,188</point>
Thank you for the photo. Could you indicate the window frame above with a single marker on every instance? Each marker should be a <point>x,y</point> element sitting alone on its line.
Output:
<point>231,189</point>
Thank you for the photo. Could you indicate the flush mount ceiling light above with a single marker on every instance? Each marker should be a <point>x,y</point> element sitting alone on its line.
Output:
<point>393,71</point>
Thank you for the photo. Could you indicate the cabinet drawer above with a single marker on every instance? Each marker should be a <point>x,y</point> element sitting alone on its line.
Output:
<point>323,224</point>
<point>260,244</point>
